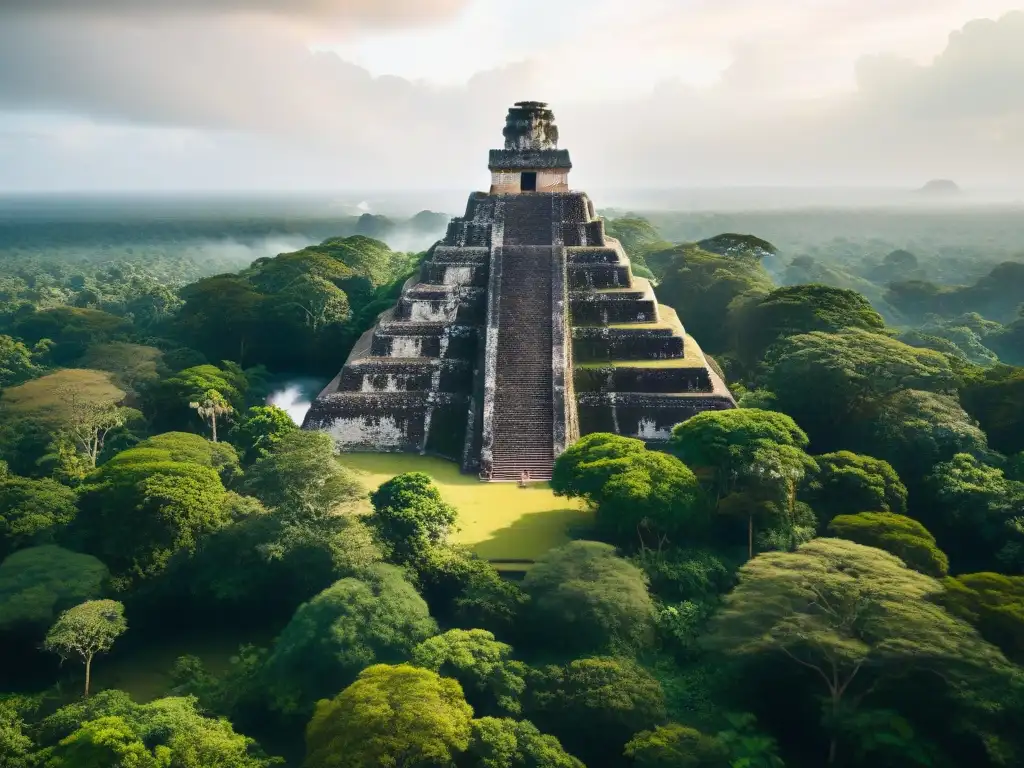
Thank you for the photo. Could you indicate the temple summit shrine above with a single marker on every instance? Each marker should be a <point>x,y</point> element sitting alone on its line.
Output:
<point>524,329</point>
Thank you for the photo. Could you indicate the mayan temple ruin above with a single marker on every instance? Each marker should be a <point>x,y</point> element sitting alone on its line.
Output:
<point>524,329</point>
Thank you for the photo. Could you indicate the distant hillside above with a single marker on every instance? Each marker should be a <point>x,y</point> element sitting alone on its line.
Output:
<point>940,188</point>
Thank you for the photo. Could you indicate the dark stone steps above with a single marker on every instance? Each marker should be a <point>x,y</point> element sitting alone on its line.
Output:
<point>523,421</point>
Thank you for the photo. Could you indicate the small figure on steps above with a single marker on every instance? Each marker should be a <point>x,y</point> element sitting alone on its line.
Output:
<point>524,478</point>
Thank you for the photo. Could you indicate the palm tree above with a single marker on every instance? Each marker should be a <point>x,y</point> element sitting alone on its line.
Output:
<point>210,407</point>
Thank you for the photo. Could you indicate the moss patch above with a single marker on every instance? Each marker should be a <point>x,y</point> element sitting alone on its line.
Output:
<point>500,521</point>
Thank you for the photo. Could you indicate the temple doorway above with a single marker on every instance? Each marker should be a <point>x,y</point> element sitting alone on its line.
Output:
<point>528,181</point>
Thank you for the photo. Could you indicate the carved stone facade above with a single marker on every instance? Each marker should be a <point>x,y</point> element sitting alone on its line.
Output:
<point>524,329</point>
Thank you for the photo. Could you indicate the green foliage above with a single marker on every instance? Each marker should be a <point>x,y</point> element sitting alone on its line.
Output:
<point>106,741</point>
<point>110,729</point>
<point>798,309</point>
<point>676,746</point>
<point>754,461</point>
<point>259,430</point>
<point>883,736</point>
<point>16,745</point>
<point>193,383</point>
<point>902,536</point>
<point>703,285</point>
<point>847,483</point>
<point>995,295</point>
<point>582,470</point>
<point>915,430</point>
<point>37,583</point>
<point>975,512</point>
<point>996,399</point>
<point>640,497</point>
<point>638,237</point>
<point>16,362</point>
<point>133,365</point>
<point>33,511</point>
<point>491,680</point>
<point>731,244</point>
<point>585,598</point>
<point>187,447</point>
<point>652,499</point>
<point>595,705</point>
<point>686,574</point>
<point>994,604</point>
<point>827,381</point>
<point>464,589</point>
<point>85,630</point>
<point>267,562</point>
<point>505,743</point>
<point>67,407</point>
<point>70,329</point>
<point>723,443</point>
<point>141,507</point>
<point>409,517</point>
<point>390,716</point>
<point>301,477</point>
<point>293,311</point>
<point>748,747</point>
<point>852,615</point>
<point>378,618</point>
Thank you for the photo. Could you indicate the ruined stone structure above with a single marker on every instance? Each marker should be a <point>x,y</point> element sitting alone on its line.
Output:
<point>524,329</point>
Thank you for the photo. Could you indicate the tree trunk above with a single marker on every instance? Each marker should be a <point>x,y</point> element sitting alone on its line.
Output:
<point>88,671</point>
<point>750,537</point>
<point>213,425</point>
<point>832,741</point>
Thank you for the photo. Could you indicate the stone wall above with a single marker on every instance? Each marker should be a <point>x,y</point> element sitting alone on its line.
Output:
<point>408,384</point>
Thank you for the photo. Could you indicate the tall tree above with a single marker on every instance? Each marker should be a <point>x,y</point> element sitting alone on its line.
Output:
<point>33,511</point>
<point>753,461</point>
<point>141,507</point>
<point>915,430</point>
<point>390,716</point>
<point>259,430</point>
<point>847,483</point>
<point>211,407</point>
<point>903,536</point>
<point>797,309</point>
<point>351,624</point>
<point>504,743</point>
<point>595,705</point>
<point>38,583</point>
<point>827,381</point>
<point>302,478</point>
<point>88,422</point>
<point>16,363</point>
<point>585,598</point>
<point>409,516</point>
<point>854,616</point>
<point>492,680</point>
<point>86,630</point>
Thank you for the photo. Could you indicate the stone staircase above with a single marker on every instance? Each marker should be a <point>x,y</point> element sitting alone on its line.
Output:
<point>523,408</point>
<point>528,220</point>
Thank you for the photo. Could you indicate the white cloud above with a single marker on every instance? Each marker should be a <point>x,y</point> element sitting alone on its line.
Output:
<point>653,92</point>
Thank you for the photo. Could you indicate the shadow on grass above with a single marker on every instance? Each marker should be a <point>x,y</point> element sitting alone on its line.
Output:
<point>531,535</point>
<point>499,521</point>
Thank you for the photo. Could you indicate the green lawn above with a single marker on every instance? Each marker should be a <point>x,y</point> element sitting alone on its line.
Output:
<point>500,521</point>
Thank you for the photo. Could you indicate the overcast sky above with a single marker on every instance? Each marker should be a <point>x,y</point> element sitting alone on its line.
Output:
<point>410,94</point>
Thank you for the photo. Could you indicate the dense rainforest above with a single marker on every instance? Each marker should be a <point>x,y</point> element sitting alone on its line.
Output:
<point>831,574</point>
